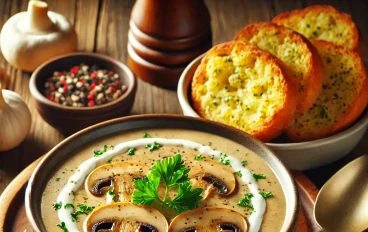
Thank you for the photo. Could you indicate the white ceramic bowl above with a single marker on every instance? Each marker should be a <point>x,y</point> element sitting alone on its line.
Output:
<point>296,156</point>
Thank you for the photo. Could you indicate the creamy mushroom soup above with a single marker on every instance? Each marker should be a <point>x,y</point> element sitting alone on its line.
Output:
<point>223,175</point>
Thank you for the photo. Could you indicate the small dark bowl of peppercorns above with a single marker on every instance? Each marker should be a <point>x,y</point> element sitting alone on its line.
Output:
<point>78,90</point>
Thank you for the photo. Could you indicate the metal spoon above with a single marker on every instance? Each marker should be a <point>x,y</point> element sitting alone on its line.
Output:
<point>342,203</point>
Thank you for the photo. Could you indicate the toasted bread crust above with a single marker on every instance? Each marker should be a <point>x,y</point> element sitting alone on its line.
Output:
<point>279,113</point>
<point>342,100</point>
<point>345,34</point>
<point>301,58</point>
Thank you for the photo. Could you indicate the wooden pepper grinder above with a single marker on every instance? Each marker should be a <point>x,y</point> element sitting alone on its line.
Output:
<point>165,36</point>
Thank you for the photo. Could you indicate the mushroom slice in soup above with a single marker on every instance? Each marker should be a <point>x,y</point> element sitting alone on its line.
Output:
<point>211,176</point>
<point>209,219</point>
<point>115,178</point>
<point>126,217</point>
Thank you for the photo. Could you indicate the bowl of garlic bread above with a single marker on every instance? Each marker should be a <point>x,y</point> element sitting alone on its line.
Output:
<point>305,97</point>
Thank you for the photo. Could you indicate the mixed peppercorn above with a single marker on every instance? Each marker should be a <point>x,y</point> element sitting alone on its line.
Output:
<point>84,86</point>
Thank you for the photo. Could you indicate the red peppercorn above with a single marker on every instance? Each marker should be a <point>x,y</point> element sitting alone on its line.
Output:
<point>60,74</point>
<point>92,86</point>
<point>74,70</point>
<point>99,82</point>
<point>117,82</point>
<point>52,88</point>
<point>63,82</point>
<point>65,88</point>
<point>91,96</point>
<point>113,89</point>
<point>91,103</point>
<point>93,75</point>
<point>111,73</point>
<point>81,80</point>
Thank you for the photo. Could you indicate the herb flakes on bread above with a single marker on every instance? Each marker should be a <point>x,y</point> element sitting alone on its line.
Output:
<point>323,22</point>
<point>242,86</point>
<point>297,53</point>
<point>342,100</point>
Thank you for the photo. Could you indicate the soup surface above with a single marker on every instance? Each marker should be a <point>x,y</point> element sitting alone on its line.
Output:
<point>252,175</point>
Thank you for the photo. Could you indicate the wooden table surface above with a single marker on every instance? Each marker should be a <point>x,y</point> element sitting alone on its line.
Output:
<point>102,27</point>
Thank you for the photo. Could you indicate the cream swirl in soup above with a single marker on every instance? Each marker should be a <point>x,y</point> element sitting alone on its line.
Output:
<point>257,194</point>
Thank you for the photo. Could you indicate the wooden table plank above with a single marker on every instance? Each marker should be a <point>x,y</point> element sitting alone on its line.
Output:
<point>102,27</point>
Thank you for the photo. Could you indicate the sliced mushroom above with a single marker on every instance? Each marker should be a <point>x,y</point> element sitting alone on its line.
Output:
<point>118,176</point>
<point>126,217</point>
<point>209,219</point>
<point>211,176</point>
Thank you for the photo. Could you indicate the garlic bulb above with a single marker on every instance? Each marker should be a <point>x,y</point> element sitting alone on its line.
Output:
<point>15,120</point>
<point>30,38</point>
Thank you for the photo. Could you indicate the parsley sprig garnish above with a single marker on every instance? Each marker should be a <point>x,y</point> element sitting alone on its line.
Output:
<point>174,175</point>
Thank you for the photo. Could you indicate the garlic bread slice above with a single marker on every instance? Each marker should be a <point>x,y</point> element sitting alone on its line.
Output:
<point>242,86</point>
<point>342,100</point>
<point>323,22</point>
<point>297,53</point>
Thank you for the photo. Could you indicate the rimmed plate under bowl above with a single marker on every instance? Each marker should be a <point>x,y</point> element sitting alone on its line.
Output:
<point>64,151</point>
<point>69,119</point>
<point>296,156</point>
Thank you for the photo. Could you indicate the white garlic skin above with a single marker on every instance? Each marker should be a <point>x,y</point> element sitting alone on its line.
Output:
<point>15,120</point>
<point>30,38</point>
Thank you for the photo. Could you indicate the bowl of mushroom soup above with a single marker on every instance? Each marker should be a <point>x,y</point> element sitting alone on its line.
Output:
<point>161,173</point>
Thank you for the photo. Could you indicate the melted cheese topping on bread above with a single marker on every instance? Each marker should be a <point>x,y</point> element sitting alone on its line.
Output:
<point>323,23</point>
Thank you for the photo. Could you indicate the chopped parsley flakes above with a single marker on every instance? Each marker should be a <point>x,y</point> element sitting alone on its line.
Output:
<point>146,135</point>
<point>154,146</point>
<point>266,195</point>
<point>323,113</point>
<point>83,209</point>
<point>58,179</point>
<point>68,205</point>
<point>238,173</point>
<point>224,160</point>
<point>246,201</point>
<point>198,157</point>
<point>244,163</point>
<point>112,193</point>
<point>57,205</point>
<point>62,226</point>
<point>131,151</point>
<point>102,151</point>
<point>258,176</point>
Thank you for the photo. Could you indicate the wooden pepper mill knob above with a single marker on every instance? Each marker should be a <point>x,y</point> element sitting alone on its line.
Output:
<point>165,36</point>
